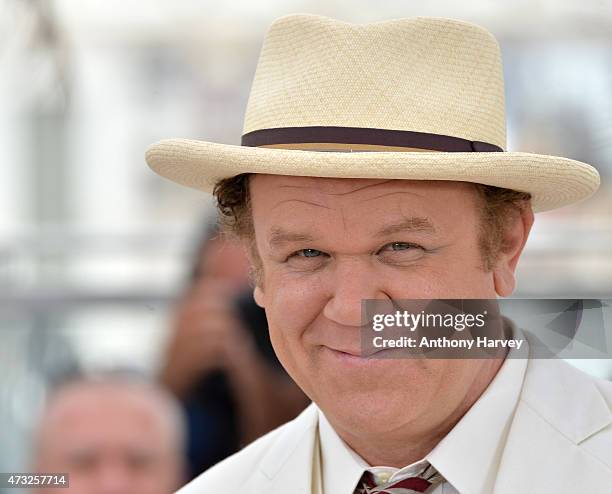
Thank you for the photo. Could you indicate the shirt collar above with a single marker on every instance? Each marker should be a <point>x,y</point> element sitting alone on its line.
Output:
<point>468,456</point>
<point>341,467</point>
<point>479,437</point>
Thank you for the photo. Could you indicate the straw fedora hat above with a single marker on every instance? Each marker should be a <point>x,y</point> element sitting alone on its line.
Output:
<point>417,98</point>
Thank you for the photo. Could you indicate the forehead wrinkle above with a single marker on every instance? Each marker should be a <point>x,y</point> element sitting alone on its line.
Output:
<point>358,189</point>
<point>395,192</point>
<point>318,189</point>
<point>299,200</point>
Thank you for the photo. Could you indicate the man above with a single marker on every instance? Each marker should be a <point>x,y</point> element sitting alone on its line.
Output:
<point>111,435</point>
<point>372,166</point>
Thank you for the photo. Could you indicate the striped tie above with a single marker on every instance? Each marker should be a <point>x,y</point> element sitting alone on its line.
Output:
<point>428,478</point>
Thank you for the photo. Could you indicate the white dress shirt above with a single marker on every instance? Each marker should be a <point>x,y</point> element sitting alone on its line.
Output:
<point>467,457</point>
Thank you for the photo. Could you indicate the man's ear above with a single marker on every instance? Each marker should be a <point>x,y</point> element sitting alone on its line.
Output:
<point>258,295</point>
<point>515,237</point>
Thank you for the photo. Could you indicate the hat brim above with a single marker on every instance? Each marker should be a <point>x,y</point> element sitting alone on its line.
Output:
<point>552,181</point>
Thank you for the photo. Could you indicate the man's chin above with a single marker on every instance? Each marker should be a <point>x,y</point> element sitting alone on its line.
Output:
<point>369,411</point>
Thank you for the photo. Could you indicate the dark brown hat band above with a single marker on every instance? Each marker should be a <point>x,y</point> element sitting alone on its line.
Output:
<point>361,139</point>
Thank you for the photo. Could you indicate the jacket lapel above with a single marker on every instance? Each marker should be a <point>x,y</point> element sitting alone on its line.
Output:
<point>287,466</point>
<point>559,410</point>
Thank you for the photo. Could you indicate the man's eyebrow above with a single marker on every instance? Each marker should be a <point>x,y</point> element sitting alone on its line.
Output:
<point>279,236</point>
<point>414,224</point>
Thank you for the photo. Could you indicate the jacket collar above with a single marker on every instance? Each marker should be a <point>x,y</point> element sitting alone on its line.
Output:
<point>559,412</point>
<point>566,398</point>
<point>287,465</point>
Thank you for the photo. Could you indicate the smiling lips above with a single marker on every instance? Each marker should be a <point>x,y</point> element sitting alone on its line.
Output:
<point>351,352</point>
<point>355,357</point>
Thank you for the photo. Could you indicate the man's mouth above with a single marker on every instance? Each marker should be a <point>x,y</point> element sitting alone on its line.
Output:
<point>354,352</point>
<point>356,356</point>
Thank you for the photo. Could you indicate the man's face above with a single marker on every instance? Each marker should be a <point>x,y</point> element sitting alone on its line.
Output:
<point>327,244</point>
<point>110,440</point>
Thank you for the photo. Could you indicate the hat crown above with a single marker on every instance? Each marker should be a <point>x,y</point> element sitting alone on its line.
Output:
<point>420,74</point>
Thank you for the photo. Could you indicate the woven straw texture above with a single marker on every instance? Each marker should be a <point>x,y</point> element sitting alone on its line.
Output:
<point>422,74</point>
<point>433,75</point>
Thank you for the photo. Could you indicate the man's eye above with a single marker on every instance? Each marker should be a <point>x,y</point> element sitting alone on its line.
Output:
<point>306,259</point>
<point>401,252</point>
<point>307,253</point>
<point>401,246</point>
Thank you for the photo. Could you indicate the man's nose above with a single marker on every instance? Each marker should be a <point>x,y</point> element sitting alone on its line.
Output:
<point>352,283</point>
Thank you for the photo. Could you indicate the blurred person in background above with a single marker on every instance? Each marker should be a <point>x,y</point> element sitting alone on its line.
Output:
<point>220,362</point>
<point>112,434</point>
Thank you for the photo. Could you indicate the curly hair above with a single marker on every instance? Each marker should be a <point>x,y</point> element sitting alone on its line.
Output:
<point>498,208</point>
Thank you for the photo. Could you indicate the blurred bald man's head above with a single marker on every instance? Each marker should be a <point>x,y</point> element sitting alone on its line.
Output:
<point>113,435</point>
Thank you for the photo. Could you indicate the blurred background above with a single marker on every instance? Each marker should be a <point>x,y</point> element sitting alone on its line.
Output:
<point>95,248</point>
